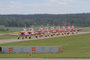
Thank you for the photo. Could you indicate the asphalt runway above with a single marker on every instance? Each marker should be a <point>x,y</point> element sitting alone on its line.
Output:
<point>16,40</point>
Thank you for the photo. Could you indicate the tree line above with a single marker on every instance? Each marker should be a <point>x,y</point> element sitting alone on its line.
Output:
<point>82,20</point>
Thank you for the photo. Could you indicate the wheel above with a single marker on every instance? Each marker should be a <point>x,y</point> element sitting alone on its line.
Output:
<point>26,37</point>
<point>36,36</point>
<point>18,38</point>
<point>51,35</point>
<point>29,37</point>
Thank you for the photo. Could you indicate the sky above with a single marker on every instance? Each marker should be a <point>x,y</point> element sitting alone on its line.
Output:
<point>44,6</point>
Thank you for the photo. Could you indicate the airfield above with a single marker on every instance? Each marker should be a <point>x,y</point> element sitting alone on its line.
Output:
<point>74,46</point>
<point>18,40</point>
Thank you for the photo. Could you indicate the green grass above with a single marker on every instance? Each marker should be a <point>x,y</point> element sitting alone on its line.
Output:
<point>77,46</point>
<point>18,29</point>
<point>6,37</point>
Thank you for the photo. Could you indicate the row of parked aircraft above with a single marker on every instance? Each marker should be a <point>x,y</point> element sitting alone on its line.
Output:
<point>45,32</point>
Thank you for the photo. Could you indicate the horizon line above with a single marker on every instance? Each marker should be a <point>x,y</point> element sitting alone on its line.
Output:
<point>46,14</point>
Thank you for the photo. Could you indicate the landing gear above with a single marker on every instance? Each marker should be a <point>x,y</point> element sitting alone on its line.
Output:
<point>51,35</point>
<point>36,36</point>
<point>26,37</point>
<point>45,35</point>
<point>29,37</point>
<point>18,37</point>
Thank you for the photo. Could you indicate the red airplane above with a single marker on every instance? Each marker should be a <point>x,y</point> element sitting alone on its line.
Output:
<point>46,30</point>
<point>40,30</point>
<point>52,30</point>
<point>63,29</point>
<point>23,33</point>
<point>58,29</point>
<point>31,31</point>
<point>69,28</point>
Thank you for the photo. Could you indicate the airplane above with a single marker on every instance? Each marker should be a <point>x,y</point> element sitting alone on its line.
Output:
<point>52,30</point>
<point>40,30</point>
<point>47,32</point>
<point>31,32</point>
<point>58,29</point>
<point>23,33</point>
<point>73,29</point>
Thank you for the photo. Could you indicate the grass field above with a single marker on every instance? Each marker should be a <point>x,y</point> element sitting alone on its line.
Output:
<point>6,37</point>
<point>3,29</point>
<point>77,46</point>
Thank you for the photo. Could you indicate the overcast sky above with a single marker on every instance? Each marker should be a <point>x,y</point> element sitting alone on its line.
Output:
<point>44,6</point>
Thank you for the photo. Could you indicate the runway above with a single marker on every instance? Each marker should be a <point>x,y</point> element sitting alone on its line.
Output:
<point>16,40</point>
